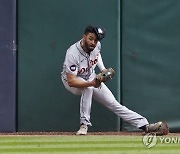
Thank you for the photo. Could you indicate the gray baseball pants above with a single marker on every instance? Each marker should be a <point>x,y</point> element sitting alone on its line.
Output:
<point>104,96</point>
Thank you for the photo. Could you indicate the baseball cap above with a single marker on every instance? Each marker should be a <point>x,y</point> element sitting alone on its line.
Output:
<point>100,32</point>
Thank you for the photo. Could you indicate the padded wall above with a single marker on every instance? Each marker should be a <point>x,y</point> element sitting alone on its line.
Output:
<point>151,59</point>
<point>46,28</point>
<point>7,65</point>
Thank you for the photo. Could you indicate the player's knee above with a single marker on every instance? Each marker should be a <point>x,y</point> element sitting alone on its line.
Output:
<point>88,89</point>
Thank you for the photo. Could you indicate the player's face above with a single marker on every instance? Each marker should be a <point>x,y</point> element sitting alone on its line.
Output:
<point>90,41</point>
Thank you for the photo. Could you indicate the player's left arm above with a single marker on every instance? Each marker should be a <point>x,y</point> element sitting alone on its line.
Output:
<point>100,63</point>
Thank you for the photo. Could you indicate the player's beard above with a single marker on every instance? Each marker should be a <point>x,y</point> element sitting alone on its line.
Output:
<point>88,47</point>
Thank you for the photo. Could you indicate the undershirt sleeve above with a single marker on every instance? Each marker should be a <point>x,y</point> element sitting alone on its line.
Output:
<point>100,62</point>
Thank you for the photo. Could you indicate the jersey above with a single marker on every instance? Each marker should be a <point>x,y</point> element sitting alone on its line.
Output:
<point>80,63</point>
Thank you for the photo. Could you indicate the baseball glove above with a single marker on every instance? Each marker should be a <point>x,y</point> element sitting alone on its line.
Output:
<point>163,130</point>
<point>105,75</point>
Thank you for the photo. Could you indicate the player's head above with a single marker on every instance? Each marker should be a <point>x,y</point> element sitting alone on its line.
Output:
<point>100,32</point>
<point>91,36</point>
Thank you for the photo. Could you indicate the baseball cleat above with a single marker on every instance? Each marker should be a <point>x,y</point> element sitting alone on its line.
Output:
<point>153,127</point>
<point>83,130</point>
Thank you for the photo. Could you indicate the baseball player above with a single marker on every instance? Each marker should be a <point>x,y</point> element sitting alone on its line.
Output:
<point>79,77</point>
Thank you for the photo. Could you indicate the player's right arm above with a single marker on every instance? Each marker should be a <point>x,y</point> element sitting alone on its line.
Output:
<point>71,69</point>
<point>73,81</point>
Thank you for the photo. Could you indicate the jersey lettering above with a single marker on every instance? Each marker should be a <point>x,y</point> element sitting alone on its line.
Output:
<point>92,62</point>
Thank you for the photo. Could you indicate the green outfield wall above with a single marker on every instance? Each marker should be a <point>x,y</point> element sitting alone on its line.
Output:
<point>46,28</point>
<point>141,44</point>
<point>151,59</point>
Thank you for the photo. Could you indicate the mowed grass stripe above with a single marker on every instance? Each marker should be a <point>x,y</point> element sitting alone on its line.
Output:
<point>68,145</point>
<point>72,146</point>
<point>80,149</point>
<point>14,143</point>
<point>81,144</point>
<point>87,149</point>
<point>69,139</point>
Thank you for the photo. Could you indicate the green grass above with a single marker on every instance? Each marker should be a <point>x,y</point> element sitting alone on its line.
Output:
<point>92,144</point>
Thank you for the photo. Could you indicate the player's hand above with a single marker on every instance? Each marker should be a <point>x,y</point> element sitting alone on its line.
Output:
<point>96,83</point>
<point>104,70</point>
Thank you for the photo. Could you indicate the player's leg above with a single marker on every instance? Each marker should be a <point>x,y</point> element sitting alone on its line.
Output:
<point>75,91</point>
<point>85,110</point>
<point>105,97</point>
<point>85,105</point>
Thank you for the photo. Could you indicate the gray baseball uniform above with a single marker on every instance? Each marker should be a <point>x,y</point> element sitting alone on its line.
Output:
<point>81,64</point>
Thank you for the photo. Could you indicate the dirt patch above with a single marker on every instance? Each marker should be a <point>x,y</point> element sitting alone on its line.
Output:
<point>89,133</point>
<point>73,133</point>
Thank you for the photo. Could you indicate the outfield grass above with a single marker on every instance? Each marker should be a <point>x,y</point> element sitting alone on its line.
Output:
<point>92,144</point>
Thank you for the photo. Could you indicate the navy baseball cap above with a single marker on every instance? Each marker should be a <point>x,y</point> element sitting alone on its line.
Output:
<point>100,32</point>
